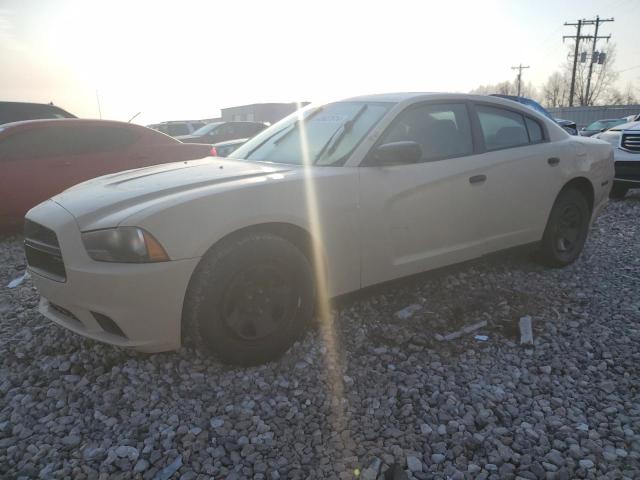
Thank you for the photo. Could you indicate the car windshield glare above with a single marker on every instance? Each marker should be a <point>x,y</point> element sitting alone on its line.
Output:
<point>207,128</point>
<point>600,124</point>
<point>332,132</point>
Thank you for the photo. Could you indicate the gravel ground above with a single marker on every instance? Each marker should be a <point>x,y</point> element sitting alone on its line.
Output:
<point>567,408</point>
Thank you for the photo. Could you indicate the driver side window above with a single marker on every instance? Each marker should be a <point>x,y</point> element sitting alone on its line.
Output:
<point>441,130</point>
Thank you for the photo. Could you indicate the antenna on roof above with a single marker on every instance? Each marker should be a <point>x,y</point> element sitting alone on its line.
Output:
<point>99,109</point>
<point>134,117</point>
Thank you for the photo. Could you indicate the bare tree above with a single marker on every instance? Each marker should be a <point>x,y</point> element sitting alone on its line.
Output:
<point>502,88</point>
<point>555,91</point>
<point>630,95</point>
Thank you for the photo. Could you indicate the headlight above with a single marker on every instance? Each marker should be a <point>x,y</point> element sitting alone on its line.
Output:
<point>124,245</point>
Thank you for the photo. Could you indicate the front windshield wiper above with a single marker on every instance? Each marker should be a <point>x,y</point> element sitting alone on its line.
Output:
<point>296,124</point>
<point>337,136</point>
<point>287,130</point>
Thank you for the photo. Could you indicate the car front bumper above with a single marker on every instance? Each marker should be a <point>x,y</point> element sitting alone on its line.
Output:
<point>144,301</point>
<point>627,166</point>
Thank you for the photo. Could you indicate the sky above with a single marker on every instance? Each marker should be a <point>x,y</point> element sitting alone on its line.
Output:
<point>187,59</point>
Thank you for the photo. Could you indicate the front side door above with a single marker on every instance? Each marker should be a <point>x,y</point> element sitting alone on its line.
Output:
<point>424,215</point>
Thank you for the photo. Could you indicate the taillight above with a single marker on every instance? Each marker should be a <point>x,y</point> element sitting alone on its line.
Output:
<point>213,152</point>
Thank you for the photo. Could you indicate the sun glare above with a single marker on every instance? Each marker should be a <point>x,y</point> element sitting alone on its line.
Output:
<point>323,313</point>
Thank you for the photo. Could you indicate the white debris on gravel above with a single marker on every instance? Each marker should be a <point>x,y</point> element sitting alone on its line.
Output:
<point>408,312</point>
<point>526,330</point>
<point>463,331</point>
<point>74,408</point>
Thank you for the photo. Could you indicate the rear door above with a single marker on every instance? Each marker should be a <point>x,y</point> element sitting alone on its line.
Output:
<point>523,175</point>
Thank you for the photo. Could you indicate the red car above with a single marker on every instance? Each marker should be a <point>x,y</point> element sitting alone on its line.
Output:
<point>40,158</point>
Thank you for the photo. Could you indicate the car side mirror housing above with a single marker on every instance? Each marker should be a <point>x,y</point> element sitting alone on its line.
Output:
<point>397,153</point>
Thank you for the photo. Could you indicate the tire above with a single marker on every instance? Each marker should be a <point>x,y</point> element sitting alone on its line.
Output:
<point>250,299</point>
<point>618,191</point>
<point>566,230</point>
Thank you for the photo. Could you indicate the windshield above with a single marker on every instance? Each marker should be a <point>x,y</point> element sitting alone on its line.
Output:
<point>600,124</point>
<point>209,127</point>
<point>332,131</point>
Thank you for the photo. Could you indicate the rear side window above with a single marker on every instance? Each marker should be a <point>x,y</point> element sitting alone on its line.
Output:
<point>535,130</point>
<point>15,112</point>
<point>502,128</point>
<point>441,130</point>
<point>174,129</point>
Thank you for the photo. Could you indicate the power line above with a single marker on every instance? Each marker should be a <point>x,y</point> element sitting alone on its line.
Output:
<point>597,22</point>
<point>578,38</point>
<point>519,68</point>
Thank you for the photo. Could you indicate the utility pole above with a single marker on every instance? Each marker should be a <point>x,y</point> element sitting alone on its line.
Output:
<point>578,37</point>
<point>575,58</point>
<point>519,68</point>
<point>597,23</point>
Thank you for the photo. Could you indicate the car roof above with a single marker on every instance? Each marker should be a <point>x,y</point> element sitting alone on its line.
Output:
<point>388,97</point>
<point>408,96</point>
<point>69,122</point>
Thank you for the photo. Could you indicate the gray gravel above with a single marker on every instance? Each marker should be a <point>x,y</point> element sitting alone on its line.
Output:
<point>567,408</point>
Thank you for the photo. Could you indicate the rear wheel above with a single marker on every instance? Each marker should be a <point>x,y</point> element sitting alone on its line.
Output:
<point>249,300</point>
<point>567,229</point>
<point>618,191</point>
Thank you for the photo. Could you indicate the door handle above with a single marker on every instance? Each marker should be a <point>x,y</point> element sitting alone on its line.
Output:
<point>476,179</point>
<point>553,161</point>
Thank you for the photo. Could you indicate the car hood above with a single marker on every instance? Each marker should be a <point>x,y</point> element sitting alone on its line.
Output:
<point>105,201</point>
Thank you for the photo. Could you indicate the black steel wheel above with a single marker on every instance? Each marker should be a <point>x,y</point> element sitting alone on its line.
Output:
<point>567,228</point>
<point>250,299</point>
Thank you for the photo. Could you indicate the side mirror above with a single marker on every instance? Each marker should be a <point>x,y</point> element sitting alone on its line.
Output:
<point>397,153</point>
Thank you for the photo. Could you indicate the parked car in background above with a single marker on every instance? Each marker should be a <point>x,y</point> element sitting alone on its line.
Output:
<point>18,111</point>
<point>40,158</point>
<point>633,118</point>
<point>601,125</point>
<point>223,131</point>
<point>178,127</point>
<point>625,139</point>
<point>233,252</point>
<point>223,149</point>
<point>569,125</point>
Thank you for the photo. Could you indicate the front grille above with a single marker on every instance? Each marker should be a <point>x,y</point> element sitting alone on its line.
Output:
<point>37,232</point>
<point>631,142</point>
<point>627,170</point>
<point>43,251</point>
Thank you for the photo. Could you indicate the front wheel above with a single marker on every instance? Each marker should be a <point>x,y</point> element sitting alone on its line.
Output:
<point>567,229</point>
<point>250,299</point>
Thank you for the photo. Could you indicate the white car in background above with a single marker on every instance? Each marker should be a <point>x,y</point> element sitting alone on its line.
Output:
<point>236,252</point>
<point>625,140</point>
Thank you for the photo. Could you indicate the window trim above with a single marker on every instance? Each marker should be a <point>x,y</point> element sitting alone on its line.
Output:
<point>476,124</point>
<point>368,158</point>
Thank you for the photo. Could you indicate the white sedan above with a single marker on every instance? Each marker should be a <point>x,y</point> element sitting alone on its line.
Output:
<point>237,253</point>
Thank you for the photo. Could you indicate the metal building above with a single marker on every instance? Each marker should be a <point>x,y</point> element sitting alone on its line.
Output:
<point>583,116</point>
<point>259,112</point>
